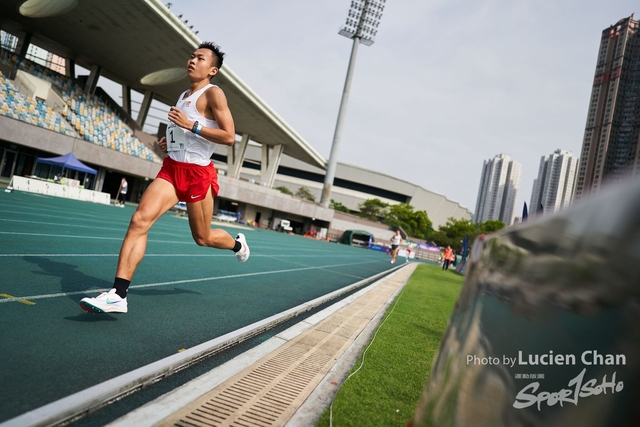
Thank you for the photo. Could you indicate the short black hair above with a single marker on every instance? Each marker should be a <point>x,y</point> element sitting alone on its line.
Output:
<point>217,53</point>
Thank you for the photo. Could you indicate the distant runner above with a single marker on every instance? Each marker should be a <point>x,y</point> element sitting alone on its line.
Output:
<point>395,246</point>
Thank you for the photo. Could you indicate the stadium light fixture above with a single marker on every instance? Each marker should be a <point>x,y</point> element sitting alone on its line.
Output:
<point>169,5</point>
<point>361,26</point>
<point>46,8</point>
<point>363,20</point>
<point>163,77</point>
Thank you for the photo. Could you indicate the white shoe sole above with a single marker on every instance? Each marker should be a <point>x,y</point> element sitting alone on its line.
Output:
<point>93,309</point>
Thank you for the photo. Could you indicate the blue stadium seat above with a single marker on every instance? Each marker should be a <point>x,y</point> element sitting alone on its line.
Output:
<point>86,115</point>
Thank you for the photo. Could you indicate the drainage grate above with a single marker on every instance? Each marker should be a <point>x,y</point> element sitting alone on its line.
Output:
<point>270,391</point>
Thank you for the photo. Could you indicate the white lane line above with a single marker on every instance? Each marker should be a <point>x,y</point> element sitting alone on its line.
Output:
<point>188,242</point>
<point>57,213</point>
<point>84,255</point>
<point>50,211</point>
<point>121,231</point>
<point>288,259</point>
<point>180,282</point>
<point>180,255</point>
<point>58,224</point>
<point>75,236</point>
<point>15,233</point>
<point>98,225</point>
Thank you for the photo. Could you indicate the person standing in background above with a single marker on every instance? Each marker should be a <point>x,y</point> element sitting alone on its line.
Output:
<point>122,193</point>
<point>448,258</point>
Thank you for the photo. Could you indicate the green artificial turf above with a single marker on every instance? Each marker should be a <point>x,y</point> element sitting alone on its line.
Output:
<point>397,365</point>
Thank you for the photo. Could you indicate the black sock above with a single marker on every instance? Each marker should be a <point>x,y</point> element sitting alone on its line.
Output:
<point>121,285</point>
<point>237,247</point>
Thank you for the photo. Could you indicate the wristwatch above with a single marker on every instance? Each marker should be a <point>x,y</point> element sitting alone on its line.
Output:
<point>197,127</point>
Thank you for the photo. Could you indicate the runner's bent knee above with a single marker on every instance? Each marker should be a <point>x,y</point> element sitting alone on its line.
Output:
<point>200,240</point>
<point>140,221</point>
<point>203,237</point>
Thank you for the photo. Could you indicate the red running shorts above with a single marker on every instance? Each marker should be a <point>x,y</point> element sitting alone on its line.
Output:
<point>191,181</point>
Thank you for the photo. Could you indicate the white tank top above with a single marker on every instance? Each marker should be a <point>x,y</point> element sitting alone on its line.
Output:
<point>184,145</point>
<point>395,240</point>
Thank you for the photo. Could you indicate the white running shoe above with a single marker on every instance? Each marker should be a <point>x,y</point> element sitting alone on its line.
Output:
<point>244,252</point>
<point>106,302</point>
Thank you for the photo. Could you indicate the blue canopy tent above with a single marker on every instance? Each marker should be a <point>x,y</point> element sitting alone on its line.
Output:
<point>68,161</point>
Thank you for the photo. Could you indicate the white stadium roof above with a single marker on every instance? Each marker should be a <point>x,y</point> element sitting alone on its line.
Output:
<point>133,39</point>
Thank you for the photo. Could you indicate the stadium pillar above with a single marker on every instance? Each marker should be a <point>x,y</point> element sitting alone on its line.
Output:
<point>99,184</point>
<point>70,68</point>
<point>92,81</point>
<point>270,163</point>
<point>235,156</point>
<point>126,99</point>
<point>24,47</point>
<point>144,108</point>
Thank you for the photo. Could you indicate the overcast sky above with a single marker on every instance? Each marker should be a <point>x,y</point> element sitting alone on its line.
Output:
<point>446,85</point>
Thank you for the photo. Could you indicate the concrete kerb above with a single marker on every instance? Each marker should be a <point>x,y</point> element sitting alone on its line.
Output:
<point>154,412</point>
<point>311,410</point>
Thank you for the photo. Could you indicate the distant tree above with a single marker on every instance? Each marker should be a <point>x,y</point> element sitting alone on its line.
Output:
<point>454,231</point>
<point>441,239</point>
<point>337,206</point>
<point>490,226</point>
<point>373,209</point>
<point>304,193</point>
<point>415,224</point>
<point>285,190</point>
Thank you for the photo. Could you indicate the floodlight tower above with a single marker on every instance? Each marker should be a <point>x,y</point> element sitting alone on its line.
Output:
<point>361,26</point>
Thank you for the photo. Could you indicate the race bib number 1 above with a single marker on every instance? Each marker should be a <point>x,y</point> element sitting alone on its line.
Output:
<point>175,138</point>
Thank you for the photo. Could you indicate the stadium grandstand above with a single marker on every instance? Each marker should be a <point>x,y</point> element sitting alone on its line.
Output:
<point>51,62</point>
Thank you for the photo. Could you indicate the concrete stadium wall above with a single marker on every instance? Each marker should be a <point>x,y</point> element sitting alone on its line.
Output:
<point>22,133</point>
<point>245,192</point>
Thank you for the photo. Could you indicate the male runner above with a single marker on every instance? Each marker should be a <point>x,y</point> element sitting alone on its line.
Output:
<point>200,120</point>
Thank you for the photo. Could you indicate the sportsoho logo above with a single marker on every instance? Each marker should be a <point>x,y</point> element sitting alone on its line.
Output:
<point>577,387</point>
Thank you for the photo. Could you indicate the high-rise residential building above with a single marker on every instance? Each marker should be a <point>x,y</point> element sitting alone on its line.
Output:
<point>499,185</point>
<point>610,146</point>
<point>553,188</point>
